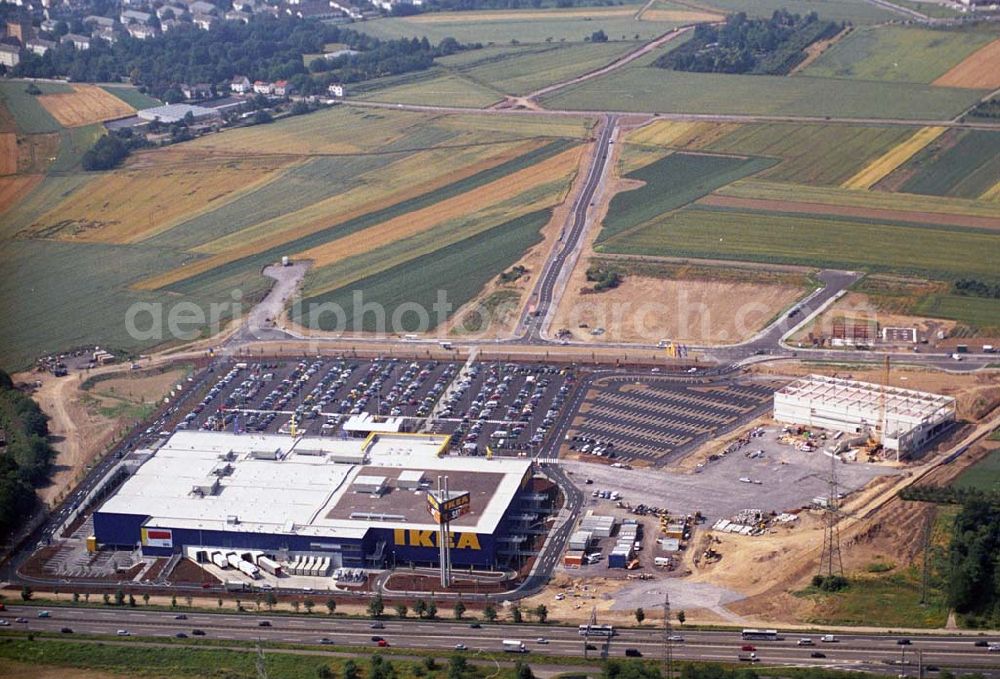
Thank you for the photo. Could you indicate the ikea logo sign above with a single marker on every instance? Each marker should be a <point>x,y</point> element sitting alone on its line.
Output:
<point>403,537</point>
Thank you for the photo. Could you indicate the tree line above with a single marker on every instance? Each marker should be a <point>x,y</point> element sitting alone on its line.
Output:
<point>753,46</point>
<point>26,457</point>
<point>267,48</point>
<point>974,582</point>
<point>405,9</point>
<point>971,287</point>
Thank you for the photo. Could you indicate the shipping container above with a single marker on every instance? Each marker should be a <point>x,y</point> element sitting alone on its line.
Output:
<point>219,559</point>
<point>249,569</point>
<point>233,559</point>
<point>269,565</point>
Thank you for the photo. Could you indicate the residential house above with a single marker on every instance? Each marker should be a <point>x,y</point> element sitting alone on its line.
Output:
<point>281,88</point>
<point>21,29</point>
<point>94,20</point>
<point>203,21</point>
<point>132,16</point>
<point>142,31</point>
<point>314,9</point>
<point>10,55</point>
<point>261,87</point>
<point>39,46</point>
<point>165,11</point>
<point>80,42</point>
<point>336,90</point>
<point>49,25</point>
<point>202,7</point>
<point>349,10</point>
<point>108,34</point>
<point>170,24</point>
<point>197,91</point>
<point>238,15</point>
<point>240,85</point>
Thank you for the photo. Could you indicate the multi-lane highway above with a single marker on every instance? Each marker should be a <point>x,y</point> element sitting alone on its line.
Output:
<point>879,653</point>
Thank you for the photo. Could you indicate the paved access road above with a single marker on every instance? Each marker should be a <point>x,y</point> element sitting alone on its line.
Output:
<point>879,653</point>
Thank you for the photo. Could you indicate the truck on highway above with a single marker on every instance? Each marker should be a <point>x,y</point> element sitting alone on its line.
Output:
<point>748,657</point>
<point>514,646</point>
<point>235,586</point>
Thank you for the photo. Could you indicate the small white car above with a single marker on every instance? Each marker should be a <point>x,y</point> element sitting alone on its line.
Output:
<point>123,633</point>
<point>461,647</point>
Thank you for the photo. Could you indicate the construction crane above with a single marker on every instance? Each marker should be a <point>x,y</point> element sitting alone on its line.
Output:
<point>876,438</point>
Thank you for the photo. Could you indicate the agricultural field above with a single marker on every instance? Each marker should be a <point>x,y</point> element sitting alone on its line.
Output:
<point>501,27</point>
<point>983,475</point>
<point>879,168</point>
<point>435,87</point>
<point>30,116</point>
<point>670,183</point>
<point>960,163</point>
<point>527,69</point>
<point>980,70</point>
<point>980,312</point>
<point>856,11</point>
<point>935,252</point>
<point>84,105</point>
<point>811,153</point>
<point>460,269</point>
<point>132,96</point>
<point>375,179</point>
<point>643,89</point>
<point>897,54</point>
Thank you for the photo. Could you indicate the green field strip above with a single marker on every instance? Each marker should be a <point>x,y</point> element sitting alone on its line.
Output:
<point>52,190</point>
<point>982,312</point>
<point>56,295</point>
<point>73,143</point>
<point>672,182</point>
<point>258,260</point>
<point>856,11</point>
<point>30,116</point>
<point>812,153</point>
<point>637,88</point>
<point>444,89</point>
<point>983,475</point>
<point>897,54</point>
<point>829,243</point>
<point>302,185</point>
<point>132,97</point>
<point>461,269</point>
<point>772,190</point>
<point>966,169</point>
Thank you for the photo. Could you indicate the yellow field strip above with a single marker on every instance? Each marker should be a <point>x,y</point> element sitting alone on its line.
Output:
<point>680,134</point>
<point>879,168</point>
<point>503,15</point>
<point>85,105</point>
<point>320,216</point>
<point>992,194</point>
<point>467,203</point>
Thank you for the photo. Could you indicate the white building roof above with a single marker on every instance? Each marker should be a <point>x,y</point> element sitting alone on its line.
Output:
<point>293,493</point>
<point>366,422</point>
<point>171,113</point>
<point>864,399</point>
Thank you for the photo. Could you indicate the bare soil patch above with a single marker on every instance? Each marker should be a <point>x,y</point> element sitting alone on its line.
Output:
<point>8,153</point>
<point>814,50</point>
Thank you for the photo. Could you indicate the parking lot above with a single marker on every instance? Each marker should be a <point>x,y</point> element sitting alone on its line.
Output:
<point>508,407</point>
<point>653,418</point>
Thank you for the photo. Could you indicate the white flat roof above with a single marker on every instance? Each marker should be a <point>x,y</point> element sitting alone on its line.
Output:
<point>295,492</point>
<point>865,398</point>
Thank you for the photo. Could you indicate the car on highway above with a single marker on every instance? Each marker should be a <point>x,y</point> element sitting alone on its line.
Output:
<point>461,647</point>
<point>181,635</point>
<point>993,648</point>
<point>180,617</point>
<point>44,614</point>
<point>377,639</point>
<point>541,640</point>
<point>633,653</point>
<point>591,647</point>
<point>377,625</point>
<point>903,642</point>
<point>264,623</point>
<point>66,630</point>
<point>982,643</point>
<point>748,647</point>
<point>817,654</point>
<point>4,623</point>
<point>675,637</point>
<point>475,625</point>
<point>383,643</point>
<point>24,620</point>
<point>805,641</point>
<point>123,633</point>
<point>198,632</point>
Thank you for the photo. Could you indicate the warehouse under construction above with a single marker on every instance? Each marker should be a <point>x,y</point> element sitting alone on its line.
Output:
<point>903,420</point>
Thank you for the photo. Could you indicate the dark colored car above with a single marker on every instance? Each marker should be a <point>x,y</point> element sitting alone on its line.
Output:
<point>377,625</point>
<point>377,638</point>
<point>817,654</point>
<point>66,630</point>
<point>475,625</point>
<point>982,643</point>
<point>633,653</point>
<point>748,647</point>
<point>181,635</point>
<point>902,642</point>
<point>264,623</point>
<point>198,632</point>
<point>180,617</point>
<point>591,647</point>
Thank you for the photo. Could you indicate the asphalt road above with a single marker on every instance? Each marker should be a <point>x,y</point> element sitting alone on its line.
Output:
<point>535,314</point>
<point>878,653</point>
